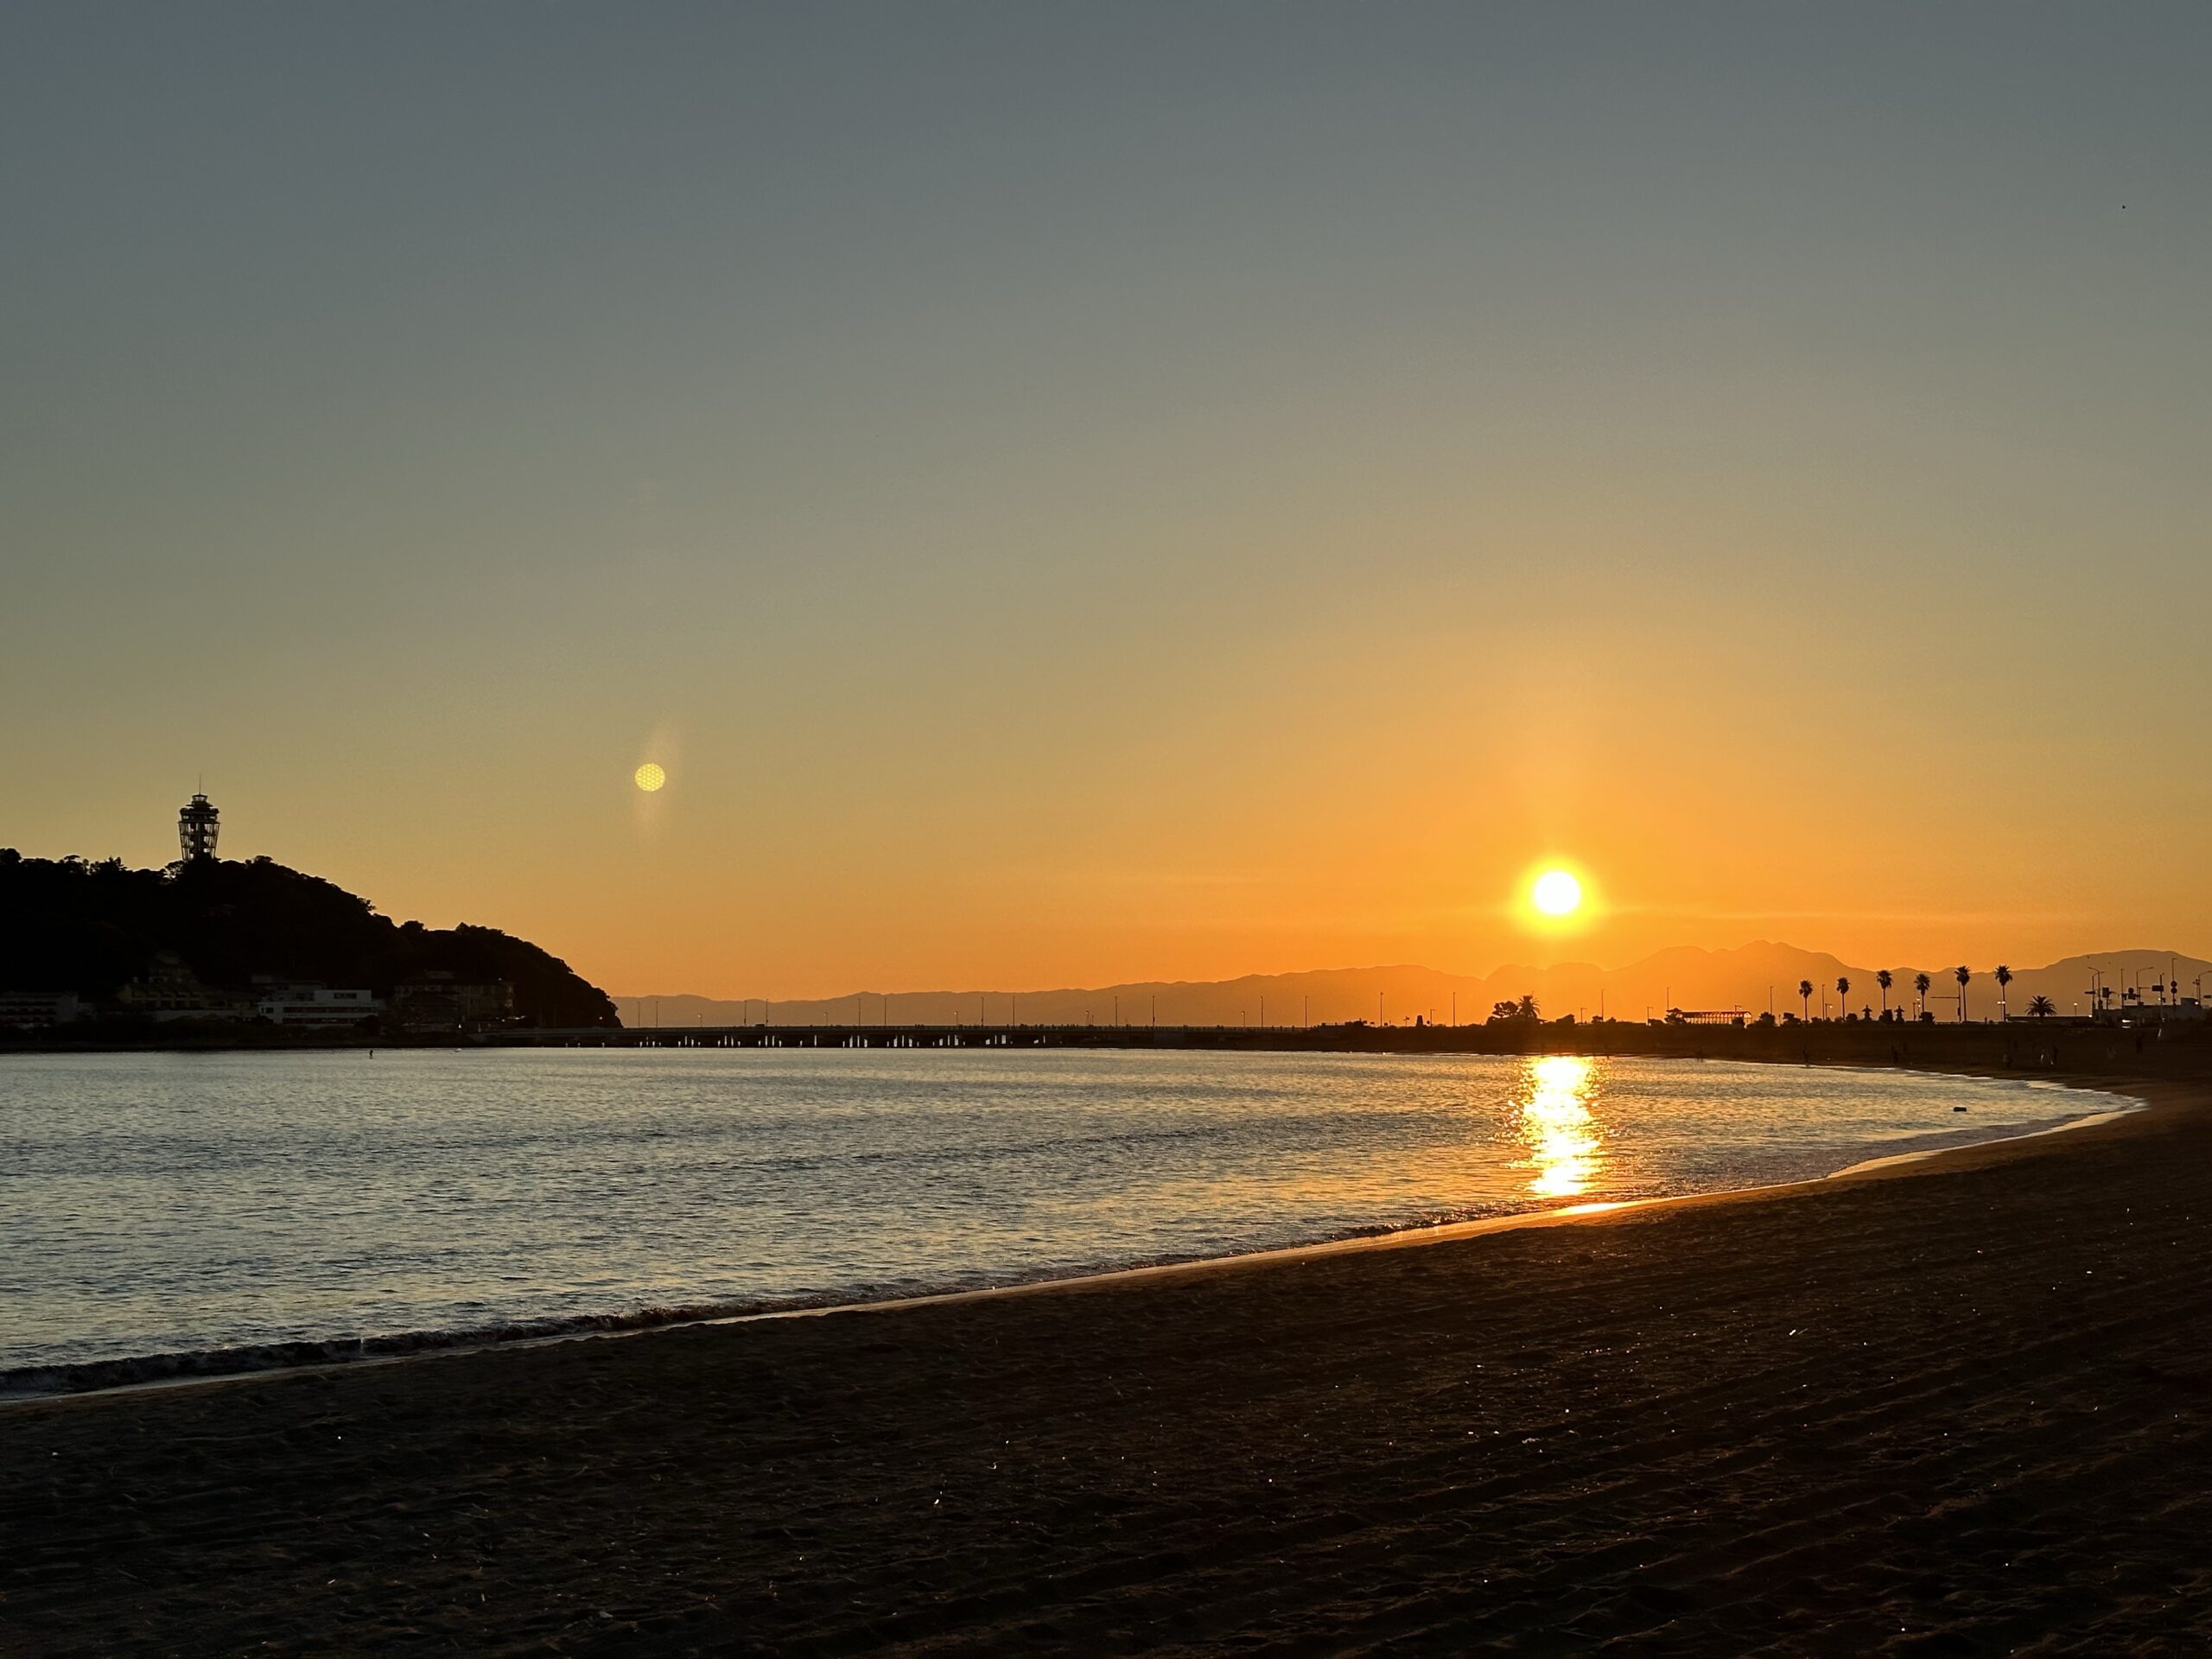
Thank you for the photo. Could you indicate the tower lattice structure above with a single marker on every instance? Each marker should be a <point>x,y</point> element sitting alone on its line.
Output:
<point>196,827</point>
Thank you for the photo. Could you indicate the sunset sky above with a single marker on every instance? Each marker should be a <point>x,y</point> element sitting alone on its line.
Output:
<point>1079,494</point>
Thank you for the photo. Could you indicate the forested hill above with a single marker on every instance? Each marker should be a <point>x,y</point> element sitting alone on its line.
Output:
<point>69,925</point>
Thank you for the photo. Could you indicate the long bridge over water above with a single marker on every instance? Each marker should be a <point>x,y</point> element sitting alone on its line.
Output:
<point>1509,1037</point>
<point>1997,1047</point>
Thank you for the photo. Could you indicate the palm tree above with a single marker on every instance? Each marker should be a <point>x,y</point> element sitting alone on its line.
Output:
<point>1920,983</point>
<point>2004,977</point>
<point>1962,975</point>
<point>1884,979</point>
<point>1805,996</point>
<point>2042,1007</point>
<point>1842,990</point>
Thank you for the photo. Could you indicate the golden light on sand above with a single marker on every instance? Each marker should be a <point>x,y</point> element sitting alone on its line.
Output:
<point>1561,1134</point>
<point>1556,893</point>
<point>649,777</point>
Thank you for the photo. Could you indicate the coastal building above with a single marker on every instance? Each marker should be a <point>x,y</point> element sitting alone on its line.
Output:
<point>317,1006</point>
<point>2144,1012</point>
<point>170,990</point>
<point>196,829</point>
<point>37,1010</point>
<point>439,1002</point>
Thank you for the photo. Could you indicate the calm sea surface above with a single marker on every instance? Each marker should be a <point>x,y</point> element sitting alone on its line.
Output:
<point>154,1203</point>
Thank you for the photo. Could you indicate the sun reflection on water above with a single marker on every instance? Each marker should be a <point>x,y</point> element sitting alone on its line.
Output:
<point>1565,1147</point>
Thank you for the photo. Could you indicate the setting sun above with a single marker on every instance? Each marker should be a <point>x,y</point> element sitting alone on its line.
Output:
<point>1556,893</point>
<point>649,777</point>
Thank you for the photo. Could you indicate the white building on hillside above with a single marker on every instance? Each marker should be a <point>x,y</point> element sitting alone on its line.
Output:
<point>317,1005</point>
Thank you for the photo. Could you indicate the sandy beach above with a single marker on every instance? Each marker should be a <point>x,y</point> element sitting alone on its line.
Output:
<point>1955,1406</point>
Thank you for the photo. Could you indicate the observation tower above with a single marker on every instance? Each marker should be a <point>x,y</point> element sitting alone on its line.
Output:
<point>195,829</point>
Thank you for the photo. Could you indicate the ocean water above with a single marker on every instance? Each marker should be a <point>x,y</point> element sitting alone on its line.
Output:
<point>156,1204</point>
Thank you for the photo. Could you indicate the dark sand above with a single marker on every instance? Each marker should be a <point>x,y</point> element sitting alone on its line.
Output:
<point>1959,1407</point>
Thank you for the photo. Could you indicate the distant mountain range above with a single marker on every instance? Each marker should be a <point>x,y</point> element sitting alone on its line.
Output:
<point>1685,977</point>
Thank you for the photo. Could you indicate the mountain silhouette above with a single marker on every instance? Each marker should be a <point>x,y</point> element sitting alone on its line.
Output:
<point>1682,977</point>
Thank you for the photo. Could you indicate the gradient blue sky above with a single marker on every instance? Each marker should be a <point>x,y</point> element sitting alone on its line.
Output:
<point>1081,494</point>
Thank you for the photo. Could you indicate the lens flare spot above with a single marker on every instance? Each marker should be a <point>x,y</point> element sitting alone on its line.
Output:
<point>649,777</point>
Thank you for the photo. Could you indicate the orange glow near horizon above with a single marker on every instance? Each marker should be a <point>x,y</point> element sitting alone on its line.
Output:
<point>790,869</point>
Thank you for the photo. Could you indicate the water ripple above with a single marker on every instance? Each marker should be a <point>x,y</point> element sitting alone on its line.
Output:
<point>308,1205</point>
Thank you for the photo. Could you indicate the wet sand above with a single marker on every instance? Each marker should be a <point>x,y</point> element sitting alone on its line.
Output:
<point>1956,1406</point>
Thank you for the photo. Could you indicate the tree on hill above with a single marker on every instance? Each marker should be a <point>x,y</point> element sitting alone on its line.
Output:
<point>1921,983</point>
<point>1842,990</point>
<point>1805,996</point>
<point>1962,975</point>
<point>2042,1008</point>
<point>95,928</point>
<point>2004,977</point>
<point>1885,979</point>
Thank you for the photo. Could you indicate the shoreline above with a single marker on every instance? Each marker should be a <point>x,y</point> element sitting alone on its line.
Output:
<point>1960,1404</point>
<point>1415,1237</point>
<point>423,1346</point>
